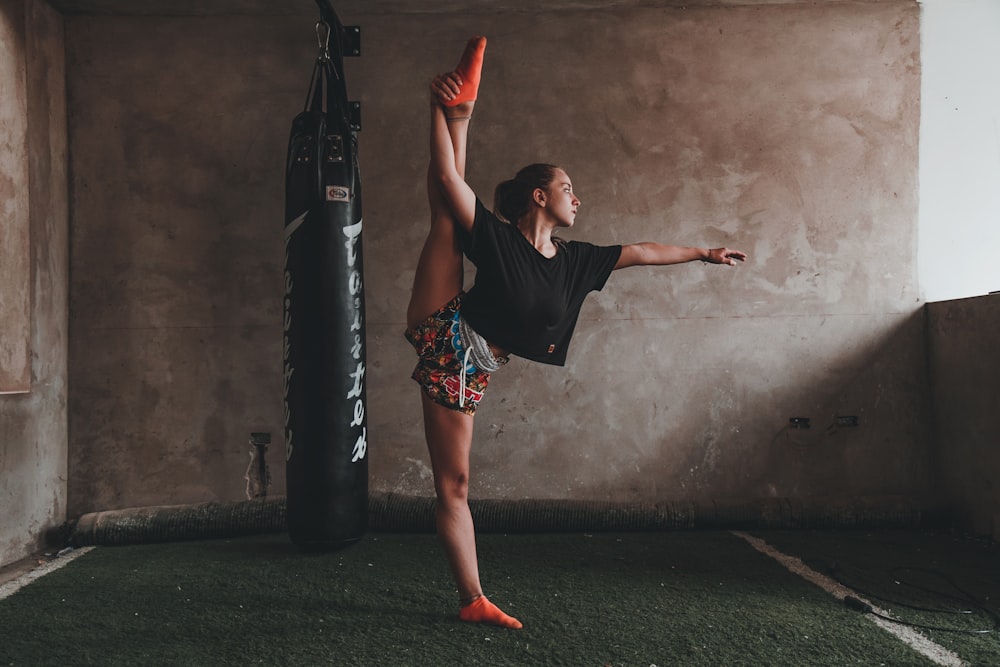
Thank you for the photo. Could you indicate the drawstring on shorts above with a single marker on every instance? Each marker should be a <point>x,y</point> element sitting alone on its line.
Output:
<point>478,351</point>
<point>461,382</point>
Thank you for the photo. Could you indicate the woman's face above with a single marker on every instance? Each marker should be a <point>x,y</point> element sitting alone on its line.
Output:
<point>560,202</point>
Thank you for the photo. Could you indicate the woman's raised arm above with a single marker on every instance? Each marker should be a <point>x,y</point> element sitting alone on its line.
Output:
<point>444,172</point>
<point>659,254</point>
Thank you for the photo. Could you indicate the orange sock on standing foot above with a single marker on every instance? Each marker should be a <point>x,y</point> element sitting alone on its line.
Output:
<point>482,610</point>
<point>470,68</point>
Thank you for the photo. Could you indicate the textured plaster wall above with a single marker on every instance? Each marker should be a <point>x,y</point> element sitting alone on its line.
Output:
<point>33,426</point>
<point>15,298</point>
<point>965,380</point>
<point>788,130</point>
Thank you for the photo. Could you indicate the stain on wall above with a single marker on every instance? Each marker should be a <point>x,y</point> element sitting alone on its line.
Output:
<point>788,130</point>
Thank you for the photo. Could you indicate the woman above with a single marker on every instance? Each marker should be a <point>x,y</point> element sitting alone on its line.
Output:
<point>529,288</point>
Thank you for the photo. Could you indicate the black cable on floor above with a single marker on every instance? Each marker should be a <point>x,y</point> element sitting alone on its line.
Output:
<point>964,597</point>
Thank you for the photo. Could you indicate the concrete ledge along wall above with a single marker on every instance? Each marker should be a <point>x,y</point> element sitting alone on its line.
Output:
<point>787,130</point>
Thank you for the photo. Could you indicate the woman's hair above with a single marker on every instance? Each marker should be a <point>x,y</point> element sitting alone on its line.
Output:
<point>512,198</point>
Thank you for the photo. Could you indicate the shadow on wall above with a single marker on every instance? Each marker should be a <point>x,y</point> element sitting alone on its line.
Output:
<point>868,435</point>
<point>965,391</point>
<point>699,412</point>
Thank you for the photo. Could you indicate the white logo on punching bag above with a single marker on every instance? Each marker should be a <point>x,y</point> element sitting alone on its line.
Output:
<point>355,286</point>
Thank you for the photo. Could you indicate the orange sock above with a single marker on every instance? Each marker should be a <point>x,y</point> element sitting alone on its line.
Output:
<point>482,610</point>
<point>470,68</point>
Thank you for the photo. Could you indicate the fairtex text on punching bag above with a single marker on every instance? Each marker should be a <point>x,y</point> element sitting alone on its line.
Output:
<point>326,430</point>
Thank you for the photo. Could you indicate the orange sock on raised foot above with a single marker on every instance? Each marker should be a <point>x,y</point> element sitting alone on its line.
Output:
<point>470,68</point>
<point>483,611</point>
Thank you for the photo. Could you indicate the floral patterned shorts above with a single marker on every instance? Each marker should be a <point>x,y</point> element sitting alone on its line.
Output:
<point>441,366</point>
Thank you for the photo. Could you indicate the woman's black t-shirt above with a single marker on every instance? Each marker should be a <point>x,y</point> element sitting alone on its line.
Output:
<point>523,301</point>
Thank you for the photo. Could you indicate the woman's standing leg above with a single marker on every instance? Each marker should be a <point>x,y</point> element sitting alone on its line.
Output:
<point>449,441</point>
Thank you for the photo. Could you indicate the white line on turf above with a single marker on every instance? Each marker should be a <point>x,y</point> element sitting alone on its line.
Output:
<point>15,585</point>
<point>935,652</point>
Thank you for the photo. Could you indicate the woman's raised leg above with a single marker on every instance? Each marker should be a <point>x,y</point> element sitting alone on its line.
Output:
<point>439,275</point>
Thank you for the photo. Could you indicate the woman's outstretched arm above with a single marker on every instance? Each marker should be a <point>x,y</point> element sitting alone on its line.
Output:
<point>444,171</point>
<point>659,254</point>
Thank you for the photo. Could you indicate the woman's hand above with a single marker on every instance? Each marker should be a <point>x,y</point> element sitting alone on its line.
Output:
<point>445,87</point>
<point>724,256</point>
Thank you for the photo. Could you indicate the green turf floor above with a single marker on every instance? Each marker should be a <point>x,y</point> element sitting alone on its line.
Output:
<point>669,598</point>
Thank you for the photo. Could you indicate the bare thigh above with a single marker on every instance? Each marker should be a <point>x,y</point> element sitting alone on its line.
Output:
<point>439,272</point>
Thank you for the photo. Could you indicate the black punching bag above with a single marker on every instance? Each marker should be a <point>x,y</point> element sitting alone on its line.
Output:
<point>326,434</point>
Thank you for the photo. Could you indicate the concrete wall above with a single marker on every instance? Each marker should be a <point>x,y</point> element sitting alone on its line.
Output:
<point>33,426</point>
<point>15,265</point>
<point>965,381</point>
<point>787,130</point>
